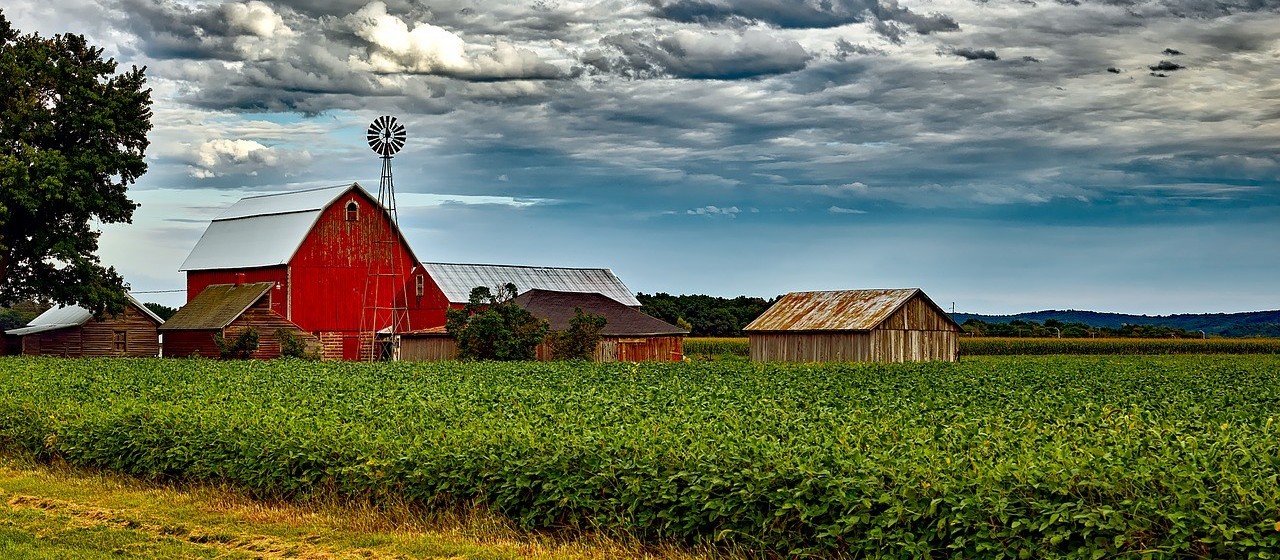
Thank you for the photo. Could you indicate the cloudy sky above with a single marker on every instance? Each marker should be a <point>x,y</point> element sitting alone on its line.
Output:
<point>1004,155</point>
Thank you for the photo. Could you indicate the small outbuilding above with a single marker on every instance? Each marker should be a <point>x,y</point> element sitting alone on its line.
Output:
<point>229,310</point>
<point>72,331</point>
<point>628,334</point>
<point>893,325</point>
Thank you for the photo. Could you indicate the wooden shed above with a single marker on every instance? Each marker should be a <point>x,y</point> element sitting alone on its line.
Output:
<point>71,331</point>
<point>898,325</point>
<point>427,345</point>
<point>628,334</point>
<point>229,309</point>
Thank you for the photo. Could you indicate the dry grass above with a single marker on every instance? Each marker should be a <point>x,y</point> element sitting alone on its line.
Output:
<point>95,512</point>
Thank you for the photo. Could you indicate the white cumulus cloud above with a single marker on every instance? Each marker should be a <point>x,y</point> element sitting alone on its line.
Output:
<point>395,47</point>
<point>221,156</point>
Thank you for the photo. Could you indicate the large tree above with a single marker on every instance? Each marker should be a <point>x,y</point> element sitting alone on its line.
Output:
<point>73,134</point>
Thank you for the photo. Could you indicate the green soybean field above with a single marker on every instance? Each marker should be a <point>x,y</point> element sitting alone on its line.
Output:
<point>1045,456</point>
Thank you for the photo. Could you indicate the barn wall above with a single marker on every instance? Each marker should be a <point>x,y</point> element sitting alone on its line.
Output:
<point>427,348</point>
<point>198,280</point>
<point>894,345</point>
<point>631,349</point>
<point>141,339</point>
<point>187,344</point>
<point>918,315</point>
<point>261,317</point>
<point>329,274</point>
<point>62,342</point>
<point>810,347</point>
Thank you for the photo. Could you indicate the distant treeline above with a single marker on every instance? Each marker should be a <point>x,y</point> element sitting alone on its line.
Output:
<point>1247,324</point>
<point>705,315</point>
<point>1053,328</point>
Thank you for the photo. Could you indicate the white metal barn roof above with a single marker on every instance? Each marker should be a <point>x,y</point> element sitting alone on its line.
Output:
<point>261,230</point>
<point>69,316</point>
<point>457,280</point>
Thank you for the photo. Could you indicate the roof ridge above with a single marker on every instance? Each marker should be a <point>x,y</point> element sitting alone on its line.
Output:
<point>313,189</point>
<point>521,266</point>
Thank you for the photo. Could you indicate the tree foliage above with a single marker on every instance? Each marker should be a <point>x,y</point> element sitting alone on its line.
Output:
<point>162,311</point>
<point>241,347</point>
<point>492,327</point>
<point>578,342</point>
<point>73,135</point>
<point>705,315</point>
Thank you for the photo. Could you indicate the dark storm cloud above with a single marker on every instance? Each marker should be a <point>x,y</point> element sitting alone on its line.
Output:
<point>722,55</point>
<point>1184,8</point>
<point>799,14</point>
<point>844,49</point>
<point>972,53</point>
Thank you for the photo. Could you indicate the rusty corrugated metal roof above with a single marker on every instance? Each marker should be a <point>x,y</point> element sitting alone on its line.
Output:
<point>216,307</point>
<point>843,310</point>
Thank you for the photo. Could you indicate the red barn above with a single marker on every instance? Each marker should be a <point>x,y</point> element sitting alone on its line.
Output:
<point>335,260</point>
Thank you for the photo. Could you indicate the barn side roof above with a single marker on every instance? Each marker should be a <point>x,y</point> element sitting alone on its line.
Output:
<point>457,280</point>
<point>844,310</point>
<point>71,316</point>
<point>216,307</point>
<point>558,308</point>
<point>263,230</point>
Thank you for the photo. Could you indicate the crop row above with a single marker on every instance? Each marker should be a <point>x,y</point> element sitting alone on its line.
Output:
<point>714,348</point>
<point>1045,456</point>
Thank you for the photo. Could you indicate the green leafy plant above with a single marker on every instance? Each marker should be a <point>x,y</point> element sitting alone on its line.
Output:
<point>241,347</point>
<point>292,345</point>
<point>492,327</point>
<point>579,341</point>
<point>992,457</point>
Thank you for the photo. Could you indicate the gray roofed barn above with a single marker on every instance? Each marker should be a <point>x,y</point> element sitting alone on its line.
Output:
<point>72,331</point>
<point>263,230</point>
<point>457,280</point>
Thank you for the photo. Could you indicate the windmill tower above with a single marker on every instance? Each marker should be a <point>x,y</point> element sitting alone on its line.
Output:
<point>385,311</point>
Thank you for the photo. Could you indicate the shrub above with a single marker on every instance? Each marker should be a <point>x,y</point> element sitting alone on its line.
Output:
<point>292,345</point>
<point>241,348</point>
<point>493,327</point>
<point>578,342</point>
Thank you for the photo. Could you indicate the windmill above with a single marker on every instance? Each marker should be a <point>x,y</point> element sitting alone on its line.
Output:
<point>385,295</point>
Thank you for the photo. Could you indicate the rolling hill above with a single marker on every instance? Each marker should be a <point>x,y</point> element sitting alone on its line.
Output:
<point>1252,323</point>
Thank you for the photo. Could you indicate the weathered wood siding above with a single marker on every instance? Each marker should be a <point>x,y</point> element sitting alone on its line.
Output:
<point>610,349</point>
<point>62,342</point>
<point>184,344</point>
<point>846,346</point>
<point>190,344</point>
<point>917,315</point>
<point>427,348</point>
<point>894,345</point>
<point>261,317</point>
<point>631,349</point>
<point>98,338</point>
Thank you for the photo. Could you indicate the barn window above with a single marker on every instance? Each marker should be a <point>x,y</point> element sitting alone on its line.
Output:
<point>353,211</point>
<point>119,342</point>
<point>419,285</point>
